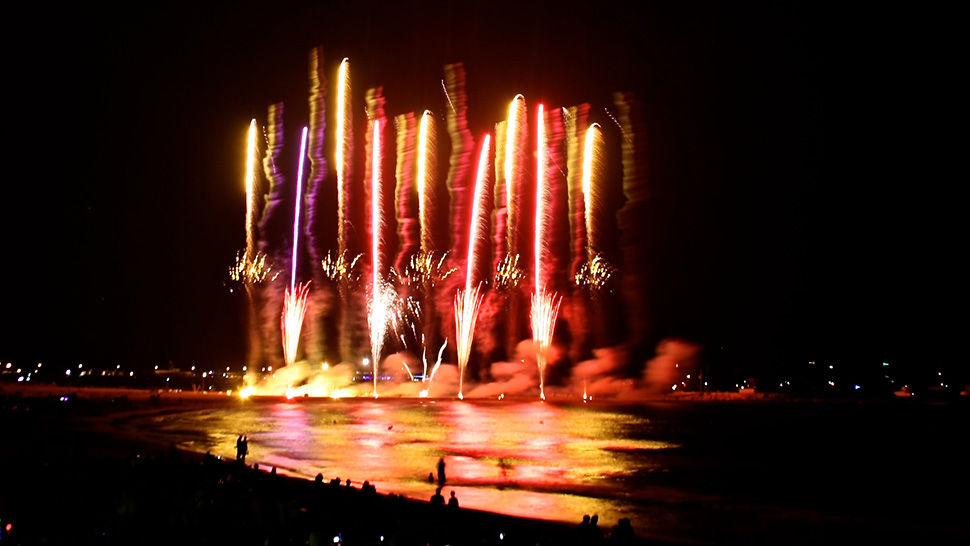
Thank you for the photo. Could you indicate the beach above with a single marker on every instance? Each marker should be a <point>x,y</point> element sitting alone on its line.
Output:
<point>872,472</point>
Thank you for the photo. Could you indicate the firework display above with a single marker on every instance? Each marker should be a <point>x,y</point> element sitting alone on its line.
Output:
<point>399,311</point>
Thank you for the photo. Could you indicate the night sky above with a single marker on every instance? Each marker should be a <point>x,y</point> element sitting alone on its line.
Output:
<point>787,224</point>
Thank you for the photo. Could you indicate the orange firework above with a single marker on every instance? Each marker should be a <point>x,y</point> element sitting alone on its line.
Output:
<point>378,312</point>
<point>545,306</point>
<point>591,168</point>
<point>467,302</point>
<point>427,142</point>
<point>344,159</point>
<point>515,133</point>
<point>250,189</point>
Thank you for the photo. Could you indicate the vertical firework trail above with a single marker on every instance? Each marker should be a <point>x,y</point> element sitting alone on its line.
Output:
<point>632,220</point>
<point>427,175</point>
<point>545,305</point>
<point>344,162</point>
<point>249,257</point>
<point>467,302</point>
<point>379,306</point>
<point>251,191</point>
<point>516,133</point>
<point>294,300</point>
<point>408,227</point>
<point>272,230</point>
<point>319,215</point>
<point>462,150</point>
<point>591,169</point>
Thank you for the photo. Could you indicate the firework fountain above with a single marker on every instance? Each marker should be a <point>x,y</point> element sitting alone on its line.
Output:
<point>381,297</point>
<point>468,301</point>
<point>545,305</point>
<point>405,299</point>
<point>294,299</point>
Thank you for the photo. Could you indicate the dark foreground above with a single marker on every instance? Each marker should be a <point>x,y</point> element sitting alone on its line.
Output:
<point>66,483</point>
<point>791,473</point>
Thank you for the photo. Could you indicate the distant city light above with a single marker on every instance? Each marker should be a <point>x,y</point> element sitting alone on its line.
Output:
<point>857,387</point>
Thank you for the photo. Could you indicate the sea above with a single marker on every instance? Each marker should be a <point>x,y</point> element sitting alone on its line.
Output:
<point>697,471</point>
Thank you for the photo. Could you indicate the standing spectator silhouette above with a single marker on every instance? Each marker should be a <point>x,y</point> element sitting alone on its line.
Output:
<point>437,499</point>
<point>441,471</point>
<point>242,448</point>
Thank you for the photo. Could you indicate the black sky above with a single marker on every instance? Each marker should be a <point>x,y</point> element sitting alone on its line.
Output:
<point>787,226</point>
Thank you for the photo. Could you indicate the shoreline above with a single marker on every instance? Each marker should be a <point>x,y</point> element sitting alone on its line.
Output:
<point>81,450</point>
<point>88,433</point>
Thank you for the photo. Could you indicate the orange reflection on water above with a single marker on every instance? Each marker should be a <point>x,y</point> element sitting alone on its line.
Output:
<point>532,459</point>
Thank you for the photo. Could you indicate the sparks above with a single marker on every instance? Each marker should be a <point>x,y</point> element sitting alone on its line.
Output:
<point>595,274</point>
<point>545,308</point>
<point>378,311</point>
<point>468,302</point>
<point>340,269</point>
<point>291,321</point>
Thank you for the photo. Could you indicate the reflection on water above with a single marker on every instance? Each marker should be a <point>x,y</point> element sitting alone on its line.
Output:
<point>534,459</point>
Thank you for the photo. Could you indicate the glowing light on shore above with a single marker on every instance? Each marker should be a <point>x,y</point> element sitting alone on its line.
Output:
<point>469,300</point>
<point>246,392</point>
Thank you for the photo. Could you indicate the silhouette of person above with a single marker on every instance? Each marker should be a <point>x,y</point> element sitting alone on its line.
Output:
<point>622,532</point>
<point>595,534</point>
<point>441,471</point>
<point>241,448</point>
<point>453,501</point>
<point>430,477</point>
<point>437,499</point>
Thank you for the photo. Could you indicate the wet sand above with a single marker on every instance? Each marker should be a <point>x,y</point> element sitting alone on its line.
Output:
<point>71,462</point>
<point>76,478</point>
